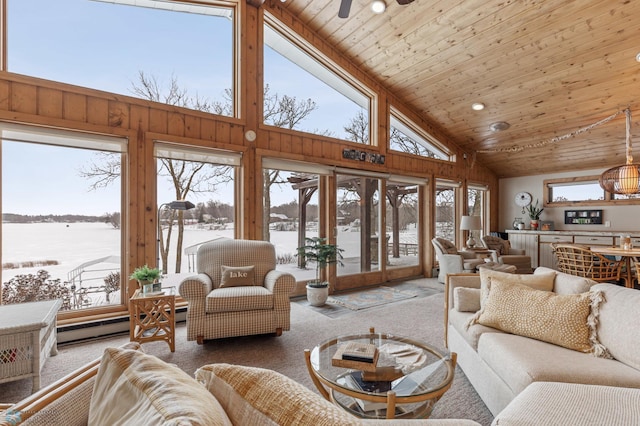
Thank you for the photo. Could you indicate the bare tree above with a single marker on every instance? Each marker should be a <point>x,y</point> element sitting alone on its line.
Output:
<point>286,112</point>
<point>358,128</point>
<point>193,177</point>
<point>186,176</point>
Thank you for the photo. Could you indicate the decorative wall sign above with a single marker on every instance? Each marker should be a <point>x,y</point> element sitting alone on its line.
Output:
<point>354,154</point>
<point>583,217</point>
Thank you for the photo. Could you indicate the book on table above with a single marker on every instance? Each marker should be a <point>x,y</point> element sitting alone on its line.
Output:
<point>362,352</point>
<point>354,381</point>
<point>359,356</point>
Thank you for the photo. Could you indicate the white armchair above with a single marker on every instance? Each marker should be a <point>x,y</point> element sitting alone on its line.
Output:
<point>503,253</point>
<point>452,261</point>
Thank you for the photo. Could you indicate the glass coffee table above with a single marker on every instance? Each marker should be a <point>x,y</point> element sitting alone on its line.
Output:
<point>407,380</point>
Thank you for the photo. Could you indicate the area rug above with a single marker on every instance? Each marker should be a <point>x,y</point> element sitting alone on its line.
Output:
<point>369,298</point>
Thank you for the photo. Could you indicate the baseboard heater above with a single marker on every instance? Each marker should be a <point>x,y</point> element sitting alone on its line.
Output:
<point>75,333</point>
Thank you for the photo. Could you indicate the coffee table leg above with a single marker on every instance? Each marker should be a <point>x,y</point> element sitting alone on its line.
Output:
<point>314,378</point>
<point>391,405</point>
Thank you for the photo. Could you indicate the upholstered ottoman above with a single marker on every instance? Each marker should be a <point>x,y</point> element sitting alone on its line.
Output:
<point>561,404</point>
<point>502,267</point>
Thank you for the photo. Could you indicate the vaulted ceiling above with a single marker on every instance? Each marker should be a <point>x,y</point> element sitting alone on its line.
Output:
<point>549,68</point>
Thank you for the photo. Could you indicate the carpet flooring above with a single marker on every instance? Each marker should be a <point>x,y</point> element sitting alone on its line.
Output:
<point>420,317</point>
<point>345,304</point>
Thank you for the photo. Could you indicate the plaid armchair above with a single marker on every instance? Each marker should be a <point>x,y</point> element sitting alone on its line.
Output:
<point>237,291</point>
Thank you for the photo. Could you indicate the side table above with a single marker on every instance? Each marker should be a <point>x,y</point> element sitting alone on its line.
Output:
<point>153,317</point>
<point>27,336</point>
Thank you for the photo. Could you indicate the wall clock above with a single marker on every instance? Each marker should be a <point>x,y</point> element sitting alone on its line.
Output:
<point>523,199</point>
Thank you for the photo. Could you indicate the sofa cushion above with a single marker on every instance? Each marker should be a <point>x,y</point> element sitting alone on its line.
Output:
<point>235,276</point>
<point>459,320</point>
<point>619,325</point>
<point>466,299</point>
<point>255,396</point>
<point>572,404</point>
<point>519,361</point>
<point>139,389</point>
<point>565,283</point>
<point>539,281</point>
<point>565,320</point>
<point>245,298</point>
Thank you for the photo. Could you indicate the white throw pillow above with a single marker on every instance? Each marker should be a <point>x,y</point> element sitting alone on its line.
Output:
<point>466,299</point>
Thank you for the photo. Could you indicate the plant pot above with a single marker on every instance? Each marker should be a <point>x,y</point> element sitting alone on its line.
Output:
<point>317,296</point>
<point>534,224</point>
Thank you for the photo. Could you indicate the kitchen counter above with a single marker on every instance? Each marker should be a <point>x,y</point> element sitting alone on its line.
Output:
<point>538,244</point>
<point>576,232</point>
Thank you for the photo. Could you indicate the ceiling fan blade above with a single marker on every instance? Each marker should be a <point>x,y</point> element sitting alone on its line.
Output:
<point>403,2</point>
<point>345,6</point>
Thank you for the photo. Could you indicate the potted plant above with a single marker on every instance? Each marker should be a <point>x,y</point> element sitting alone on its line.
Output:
<point>145,275</point>
<point>317,250</point>
<point>534,214</point>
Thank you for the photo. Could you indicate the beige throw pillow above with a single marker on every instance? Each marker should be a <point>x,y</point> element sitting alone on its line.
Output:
<point>138,389</point>
<point>565,320</point>
<point>237,276</point>
<point>542,281</point>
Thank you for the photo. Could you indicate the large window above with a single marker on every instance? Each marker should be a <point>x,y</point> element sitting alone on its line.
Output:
<point>405,136</point>
<point>358,218</point>
<point>205,178</point>
<point>476,201</point>
<point>446,209</point>
<point>303,91</point>
<point>402,223</point>
<point>61,217</point>
<point>136,48</point>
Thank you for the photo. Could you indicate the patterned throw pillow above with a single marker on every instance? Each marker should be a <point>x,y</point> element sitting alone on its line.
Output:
<point>256,396</point>
<point>567,320</point>
<point>236,276</point>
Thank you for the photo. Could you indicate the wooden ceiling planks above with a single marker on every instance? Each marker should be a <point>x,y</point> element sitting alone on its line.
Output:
<point>547,68</point>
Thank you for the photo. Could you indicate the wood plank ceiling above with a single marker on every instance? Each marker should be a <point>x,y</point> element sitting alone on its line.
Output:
<point>546,67</point>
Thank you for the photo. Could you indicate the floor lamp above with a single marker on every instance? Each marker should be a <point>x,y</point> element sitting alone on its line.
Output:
<point>174,205</point>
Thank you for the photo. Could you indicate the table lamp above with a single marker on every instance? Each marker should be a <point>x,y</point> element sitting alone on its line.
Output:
<point>471,223</point>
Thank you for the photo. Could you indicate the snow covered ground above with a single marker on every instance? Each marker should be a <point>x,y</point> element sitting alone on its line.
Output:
<point>74,244</point>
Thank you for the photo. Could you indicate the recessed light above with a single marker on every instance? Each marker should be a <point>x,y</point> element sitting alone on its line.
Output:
<point>477,106</point>
<point>638,57</point>
<point>378,6</point>
<point>499,126</point>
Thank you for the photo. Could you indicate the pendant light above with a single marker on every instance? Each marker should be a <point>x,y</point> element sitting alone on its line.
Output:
<point>623,179</point>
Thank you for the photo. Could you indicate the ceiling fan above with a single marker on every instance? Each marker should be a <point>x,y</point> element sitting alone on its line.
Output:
<point>345,6</point>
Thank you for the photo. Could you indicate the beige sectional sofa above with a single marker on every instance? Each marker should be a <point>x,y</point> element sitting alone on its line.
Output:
<point>129,387</point>
<point>503,366</point>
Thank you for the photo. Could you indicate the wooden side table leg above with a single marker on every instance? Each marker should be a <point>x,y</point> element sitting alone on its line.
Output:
<point>314,378</point>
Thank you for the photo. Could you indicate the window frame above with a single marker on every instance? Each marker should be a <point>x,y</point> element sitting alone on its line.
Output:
<point>434,145</point>
<point>547,191</point>
<point>333,68</point>
<point>53,136</point>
